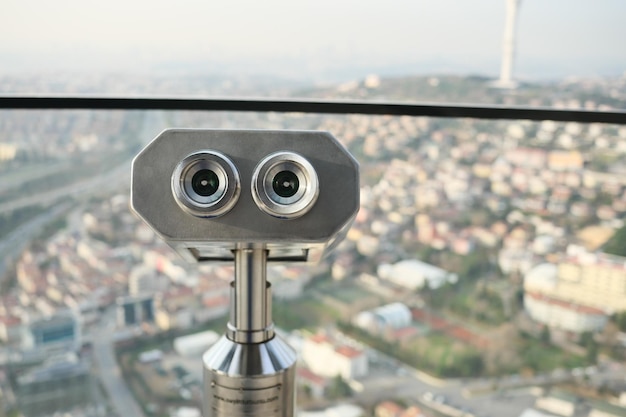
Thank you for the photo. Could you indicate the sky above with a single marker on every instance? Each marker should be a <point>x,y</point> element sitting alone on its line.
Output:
<point>308,39</point>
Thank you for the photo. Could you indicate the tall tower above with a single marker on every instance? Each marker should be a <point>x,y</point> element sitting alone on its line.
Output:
<point>508,47</point>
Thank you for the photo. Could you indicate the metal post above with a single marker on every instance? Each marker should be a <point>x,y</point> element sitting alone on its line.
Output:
<point>250,309</point>
<point>250,371</point>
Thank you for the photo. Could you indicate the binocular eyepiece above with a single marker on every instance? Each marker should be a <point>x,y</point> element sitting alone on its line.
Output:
<point>207,184</point>
<point>208,192</point>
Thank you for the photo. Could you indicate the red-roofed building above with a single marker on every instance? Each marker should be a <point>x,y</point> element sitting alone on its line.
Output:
<point>412,412</point>
<point>388,409</point>
<point>563,314</point>
<point>403,334</point>
<point>177,297</point>
<point>212,307</point>
<point>317,384</point>
<point>320,338</point>
<point>348,352</point>
<point>324,357</point>
<point>578,292</point>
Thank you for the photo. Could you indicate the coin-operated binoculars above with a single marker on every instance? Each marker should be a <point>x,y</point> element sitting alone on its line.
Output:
<point>248,197</point>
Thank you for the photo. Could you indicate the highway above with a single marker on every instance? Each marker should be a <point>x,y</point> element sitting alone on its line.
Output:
<point>469,397</point>
<point>118,392</point>
<point>110,181</point>
<point>115,178</point>
<point>16,241</point>
<point>446,397</point>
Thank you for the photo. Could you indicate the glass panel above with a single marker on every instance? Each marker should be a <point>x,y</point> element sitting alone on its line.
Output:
<point>486,262</point>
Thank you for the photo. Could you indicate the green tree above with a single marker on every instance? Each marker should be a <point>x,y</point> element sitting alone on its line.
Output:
<point>591,346</point>
<point>308,391</point>
<point>338,388</point>
<point>545,336</point>
<point>620,320</point>
<point>592,352</point>
<point>585,338</point>
<point>617,244</point>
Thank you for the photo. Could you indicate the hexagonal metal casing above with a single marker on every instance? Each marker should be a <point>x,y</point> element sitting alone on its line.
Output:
<point>305,238</point>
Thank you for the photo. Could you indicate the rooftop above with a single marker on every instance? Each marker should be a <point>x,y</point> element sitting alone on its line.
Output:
<point>579,308</point>
<point>349,352</point>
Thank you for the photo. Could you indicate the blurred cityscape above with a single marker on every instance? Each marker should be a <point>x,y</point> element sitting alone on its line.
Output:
<point>485,274</point>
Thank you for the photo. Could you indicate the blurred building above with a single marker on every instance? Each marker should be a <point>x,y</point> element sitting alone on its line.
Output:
<point>559,160</point>
<point>316,384</point>
<point>8,151</point>
<point>558,403</point>
<point>394,316</point>
<point>211,308</point>
<point>186,412</point>
<point>174,317</point>
<point>145,280</point>
<point>598,281</point>
<point>388,409</point>
<point>564,315</point>
<point>60,332</point>
<point>10,329</point>
<point>195,344</point>
<point>60,384</point>
<point>178,307</point>
<point>414,274</point>
<point>343,410</point>
<point>577,294</point>
<point>135,310</point>
<point>595,280</point>
<point>325,357</point>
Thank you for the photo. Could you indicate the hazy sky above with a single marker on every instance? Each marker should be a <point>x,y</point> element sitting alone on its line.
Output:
<point>306,38</point>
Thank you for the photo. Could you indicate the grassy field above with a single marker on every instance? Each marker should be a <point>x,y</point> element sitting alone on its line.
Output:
<point>306,312</point>
<point>345,294</point>
<point>542,358</point>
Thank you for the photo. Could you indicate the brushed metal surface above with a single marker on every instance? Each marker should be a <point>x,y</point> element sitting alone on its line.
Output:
<point>305,238</point>
<point>249,379</point>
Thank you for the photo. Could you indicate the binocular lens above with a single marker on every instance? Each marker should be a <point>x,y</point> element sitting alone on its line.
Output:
<point>205,182</point>
<point>286,184</point>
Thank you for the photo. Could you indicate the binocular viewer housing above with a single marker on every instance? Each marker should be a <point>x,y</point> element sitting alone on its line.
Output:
<point>209,192</point>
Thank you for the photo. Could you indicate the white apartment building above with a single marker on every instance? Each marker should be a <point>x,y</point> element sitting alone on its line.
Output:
<point>414,274</point>
<point>395,316</point>
<point>560,314</point>
<point>324,358</point>
<point>578,294</point>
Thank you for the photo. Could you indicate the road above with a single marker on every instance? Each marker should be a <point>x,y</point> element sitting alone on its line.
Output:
<point>56,199</point>
<point>154,123</point>
<point>119,394</point>
<point>15,242</point>
<point>390,378</point>
<point>448,399</point>
<point>12,245</point>
<point>102,183</point>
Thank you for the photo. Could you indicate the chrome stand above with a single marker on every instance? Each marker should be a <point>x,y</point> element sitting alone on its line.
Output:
<point>251,196</point>
<point>250,371</point>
